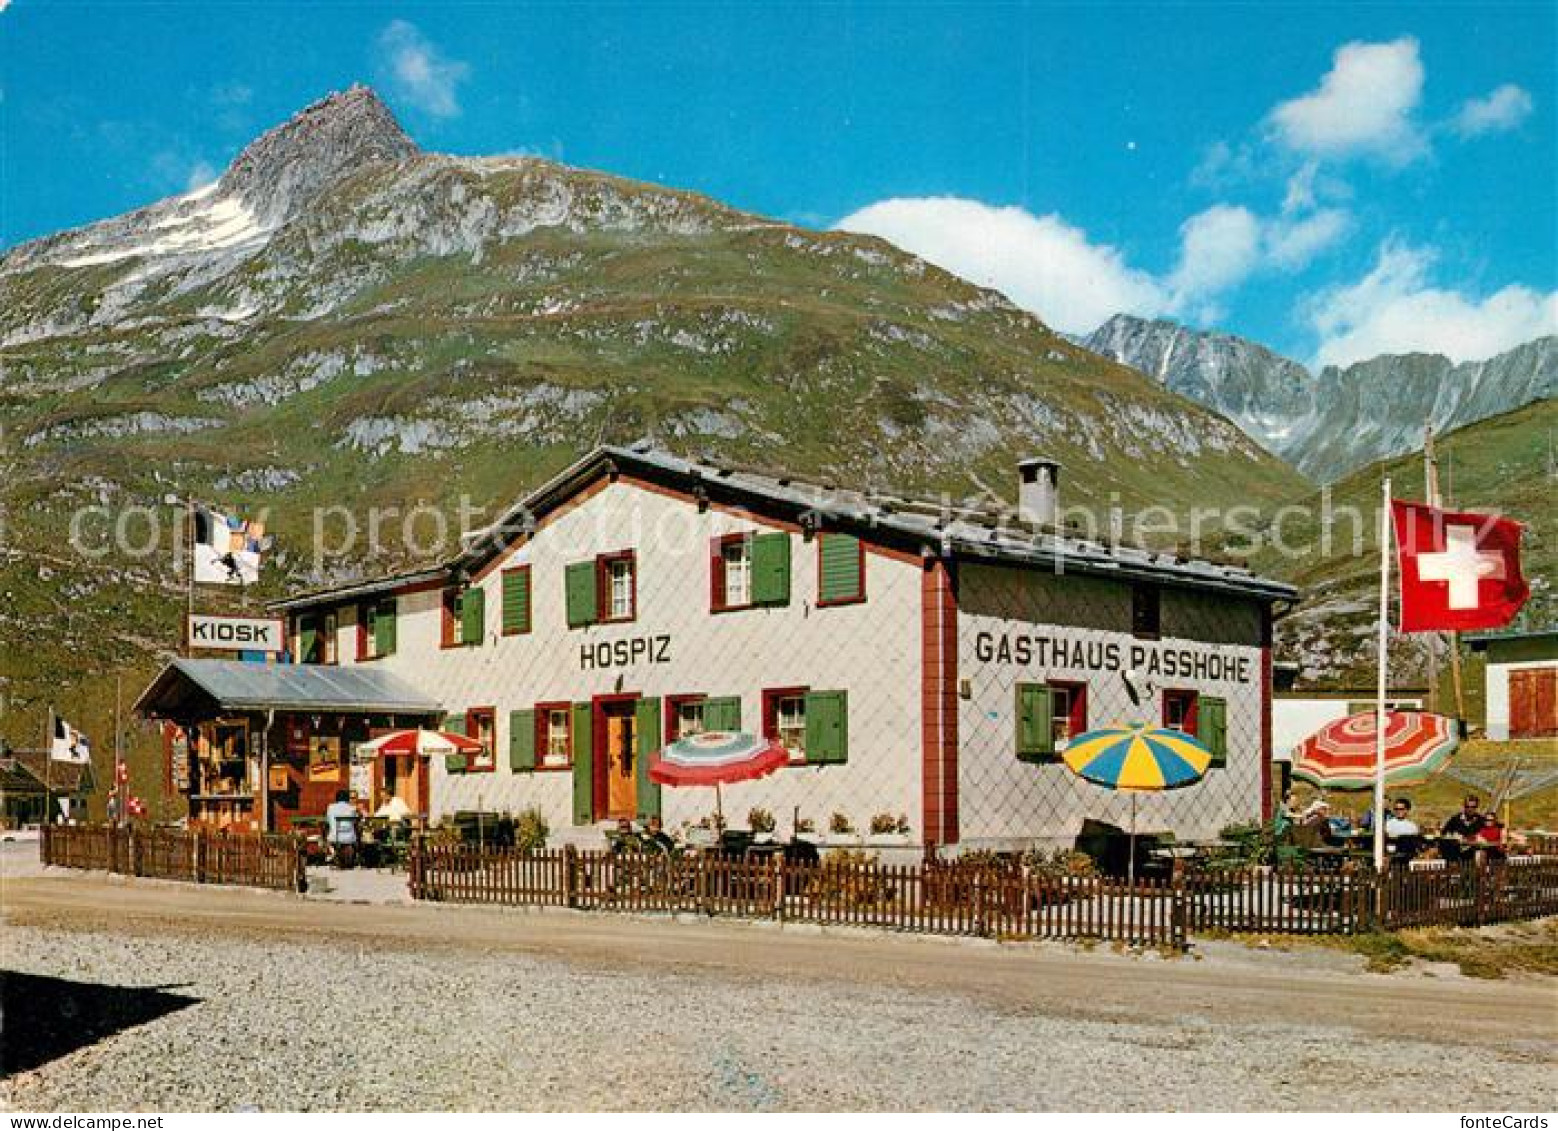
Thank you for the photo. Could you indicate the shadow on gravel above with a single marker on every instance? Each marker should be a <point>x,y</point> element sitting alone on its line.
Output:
<point>45,1018</point>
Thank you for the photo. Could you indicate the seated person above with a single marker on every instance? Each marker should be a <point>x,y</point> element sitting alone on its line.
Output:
<point>1314,828</point>
<point>624,838</point>
<point>1402,834</point>
<point>655,837</point>
<point>1460,830</point>
<point>1489,840</point>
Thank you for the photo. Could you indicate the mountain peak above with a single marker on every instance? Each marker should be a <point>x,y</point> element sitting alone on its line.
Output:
<point>287,166</point>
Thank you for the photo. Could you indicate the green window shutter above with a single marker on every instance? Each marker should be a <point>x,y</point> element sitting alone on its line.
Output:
<point>771,569</point>
<point>516,601</point>
<point>579,585</point>
<point>841,578</point>
<point>722,713</point>
<point>522,741</point>
<point>454,763</point>
<point>827,727</point>
<point>1035,723</point>
<point>308,639</point>
<point>384,628</point>
<point>646,729</point>
<point>473,616</point>
<point>583,765</point>
<point>1212,719</point>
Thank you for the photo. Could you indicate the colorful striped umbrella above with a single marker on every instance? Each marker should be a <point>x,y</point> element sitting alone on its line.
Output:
<point>1340,755</point>
<point>424,742</point>
<point>717,757</point>
<point>1137,758</point>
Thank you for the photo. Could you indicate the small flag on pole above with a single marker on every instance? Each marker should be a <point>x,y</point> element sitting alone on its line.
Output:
<point>1459,570</point>
<point>227,549</point>
<point>69,744</point>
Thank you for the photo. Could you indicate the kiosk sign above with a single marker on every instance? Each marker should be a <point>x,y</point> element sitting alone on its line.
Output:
<point>236,634</point>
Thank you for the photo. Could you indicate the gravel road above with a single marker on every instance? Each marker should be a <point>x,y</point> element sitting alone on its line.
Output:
<point>281,1003</point>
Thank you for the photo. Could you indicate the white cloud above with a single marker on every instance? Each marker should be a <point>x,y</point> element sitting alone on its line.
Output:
<point>1292,243</point>
<point>1218,248</point>
<point>1364,104</point>
<point>1499,110</point>
<point>1051,267</point>
<point>1041,263</point>
<point>1395,308</point>
<point>419,72</point>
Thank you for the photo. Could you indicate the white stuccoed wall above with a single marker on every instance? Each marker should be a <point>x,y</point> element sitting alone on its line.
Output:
<point>872,650</point>
<point>1007,803</point>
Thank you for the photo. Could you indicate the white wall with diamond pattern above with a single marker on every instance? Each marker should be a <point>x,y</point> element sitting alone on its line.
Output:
<point>1086,624</point>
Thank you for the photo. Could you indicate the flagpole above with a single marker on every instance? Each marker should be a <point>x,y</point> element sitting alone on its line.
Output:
<point>189,572</point>
<point>48,763</point>
<point>120,789</point>
<point>1436,500</point>
<point>1384,663</point>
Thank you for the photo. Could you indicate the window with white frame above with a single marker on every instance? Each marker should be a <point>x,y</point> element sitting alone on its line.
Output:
<point>619,588</point>
<point>736,557</point>
<point>557,732</point>
<point>689,717</point>
<point>787,722</point>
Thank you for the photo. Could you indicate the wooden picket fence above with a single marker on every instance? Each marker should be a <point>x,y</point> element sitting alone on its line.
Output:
<point>945,897</point>
<point>192,855</point>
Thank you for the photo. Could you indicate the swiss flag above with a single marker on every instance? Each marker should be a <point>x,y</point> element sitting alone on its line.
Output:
<point>1458,570</point>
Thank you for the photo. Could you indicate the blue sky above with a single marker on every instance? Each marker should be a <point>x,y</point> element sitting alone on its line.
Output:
<point>1335,180</point>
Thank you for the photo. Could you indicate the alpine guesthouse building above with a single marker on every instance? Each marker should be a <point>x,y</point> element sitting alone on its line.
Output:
<point>917,661</point>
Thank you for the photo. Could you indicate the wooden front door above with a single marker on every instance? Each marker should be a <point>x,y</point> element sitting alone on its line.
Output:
<point>617,753</point>
<point>1533,703</point>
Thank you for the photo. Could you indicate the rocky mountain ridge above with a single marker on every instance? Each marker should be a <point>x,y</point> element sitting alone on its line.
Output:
<point>1331,423</point>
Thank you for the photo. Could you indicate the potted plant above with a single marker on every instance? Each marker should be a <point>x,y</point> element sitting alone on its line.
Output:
<point>887,829</point>
<point>841,830</point>
<point>806,828</point>
<point>762,824</point>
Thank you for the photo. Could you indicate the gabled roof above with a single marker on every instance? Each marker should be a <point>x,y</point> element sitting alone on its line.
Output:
<point>30,771</point>
<point>233,685</point>
<point>933,529</point>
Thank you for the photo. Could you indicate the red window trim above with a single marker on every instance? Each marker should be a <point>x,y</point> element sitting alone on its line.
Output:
<point>858,598</point>
<point>771,697</point>
<point>672,702</point>
<point>530,591</point>
<point>603,586</point>
<point>717,544</point>
<point>540,723</point>
<point>1077,717</point>
<point>362,634</point>
<point>1192,717</point>
<point>473,731</point>
<point>446,606</point>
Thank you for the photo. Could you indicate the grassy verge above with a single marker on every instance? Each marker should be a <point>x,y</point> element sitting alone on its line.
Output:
<point>1483,952</point>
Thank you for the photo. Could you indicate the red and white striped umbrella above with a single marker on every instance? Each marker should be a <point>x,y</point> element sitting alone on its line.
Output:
<point>1340,755</point>
<point>717,758</point>
<point>421,742</point>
